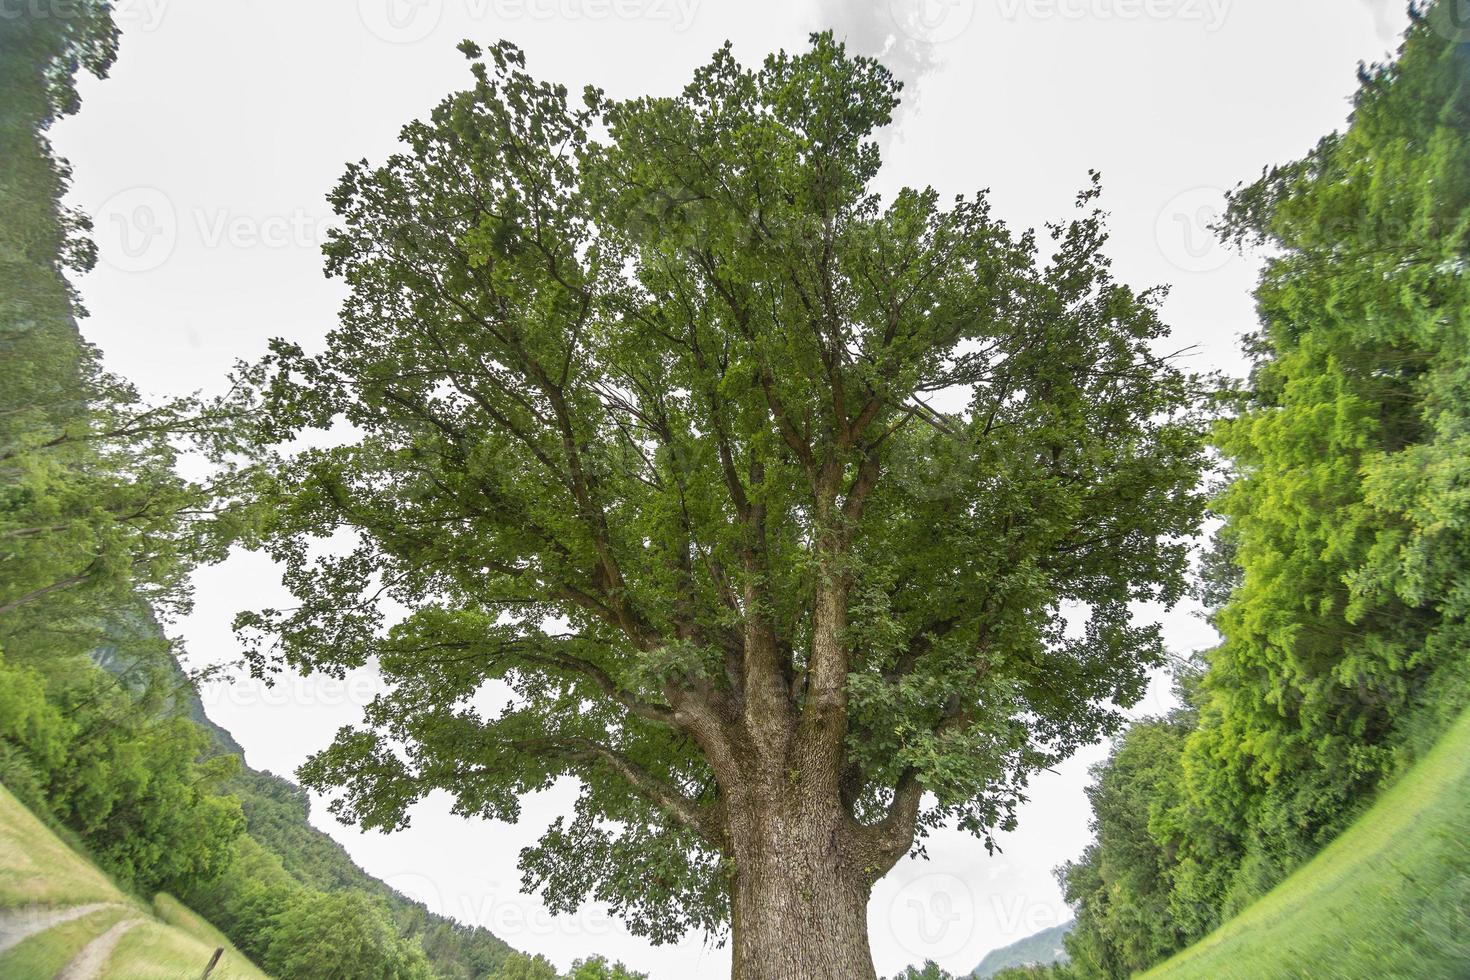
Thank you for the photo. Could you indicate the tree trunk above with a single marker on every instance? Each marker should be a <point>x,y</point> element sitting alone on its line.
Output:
<point>799,906</point>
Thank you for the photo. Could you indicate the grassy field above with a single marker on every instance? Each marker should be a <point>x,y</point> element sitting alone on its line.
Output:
<point>41,876</point>
<point>46,953</point>
<point>37,868</point>
<point>155,951</point>
<point>180,916</point>
<point>1388,899</point>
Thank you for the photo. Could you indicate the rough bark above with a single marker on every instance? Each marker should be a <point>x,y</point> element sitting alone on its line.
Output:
<point>802,868</point>
<point>799,900</point>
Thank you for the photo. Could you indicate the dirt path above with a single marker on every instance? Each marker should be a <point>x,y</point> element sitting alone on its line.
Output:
<point>20,924</point>
<point>88,964</point>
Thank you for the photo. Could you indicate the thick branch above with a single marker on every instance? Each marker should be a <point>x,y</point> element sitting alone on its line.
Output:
<point>890,838</point>
<point>695,816</point>
<point>44,591</point>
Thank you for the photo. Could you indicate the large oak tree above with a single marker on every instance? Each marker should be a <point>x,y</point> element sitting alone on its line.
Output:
<point>796,520</point>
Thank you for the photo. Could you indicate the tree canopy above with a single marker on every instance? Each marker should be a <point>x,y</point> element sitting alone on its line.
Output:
<point>754,490</point>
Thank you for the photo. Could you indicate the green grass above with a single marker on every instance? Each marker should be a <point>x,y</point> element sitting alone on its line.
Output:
<point>179,915</point>
<point>155,951</point>
<point>45,953</point>
<point>208,938</point>
<point>1389,899</point>
<point>37,868</point>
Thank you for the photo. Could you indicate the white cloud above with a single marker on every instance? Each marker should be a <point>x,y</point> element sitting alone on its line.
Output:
<point>908,36</point>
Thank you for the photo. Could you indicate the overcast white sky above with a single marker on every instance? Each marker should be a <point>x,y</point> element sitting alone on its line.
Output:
<point>206,157</point>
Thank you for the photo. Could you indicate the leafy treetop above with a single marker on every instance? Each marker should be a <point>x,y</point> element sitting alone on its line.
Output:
<point>644,456</point>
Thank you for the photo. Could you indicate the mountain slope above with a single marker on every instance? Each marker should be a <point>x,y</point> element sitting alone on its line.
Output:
<point>1037,949</point>
<point>1390,898</point>
<point>91,524</point>
<point>277,816</point>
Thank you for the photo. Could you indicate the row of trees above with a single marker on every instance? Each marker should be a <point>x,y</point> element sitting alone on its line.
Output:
<point>293,930</point>
<point>518,966</point>
<point>1341,579</point>
<point>277,815</point>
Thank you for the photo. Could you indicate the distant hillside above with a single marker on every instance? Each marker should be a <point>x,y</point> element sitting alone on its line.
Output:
<point>137,629</point>
<point>277,813</point>
<point>1037,950</point>
<point>1389,898</point>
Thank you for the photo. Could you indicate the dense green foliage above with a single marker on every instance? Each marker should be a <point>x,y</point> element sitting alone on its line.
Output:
<point>1349,517</point>
<point>294,930</point>
<point>125,780</point>
<point>1121,886</point>
<point>598,968</point>
<point>519,966</point>
<point>276,814</point>
<point>340,934</point>
<point>1347,521</point>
